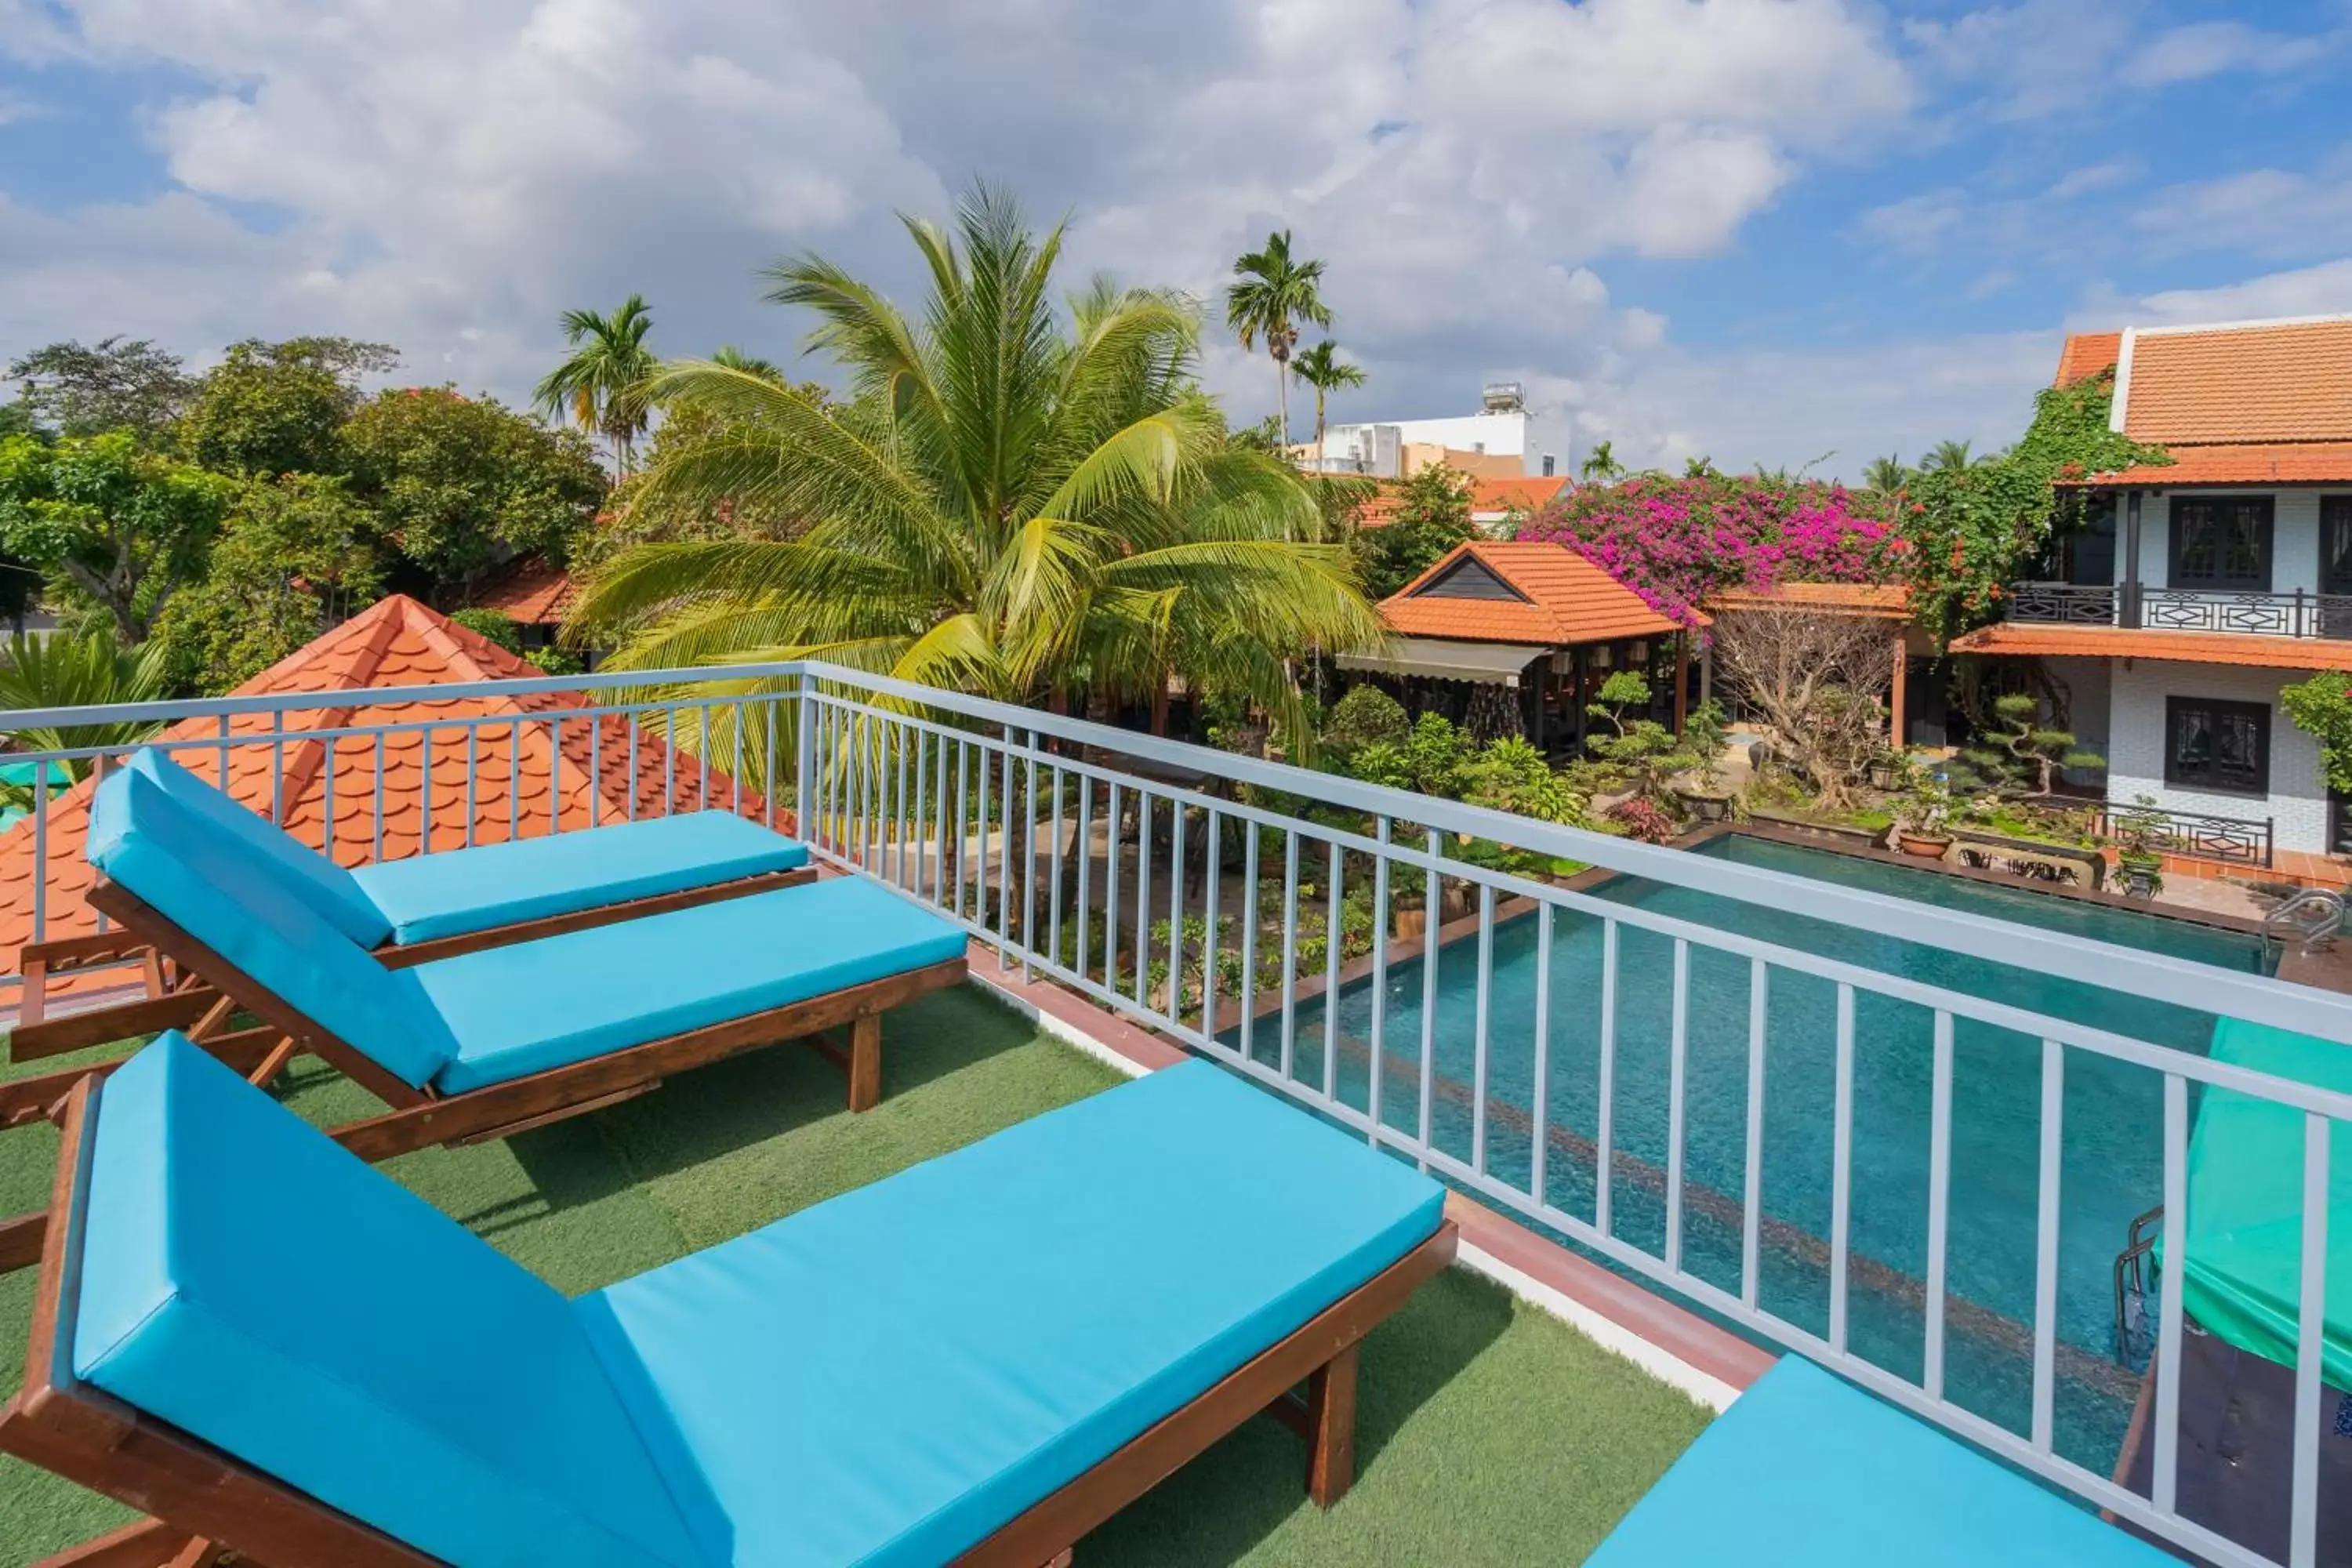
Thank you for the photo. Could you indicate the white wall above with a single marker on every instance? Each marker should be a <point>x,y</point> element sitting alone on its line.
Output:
<point>2135,740</point>
<point>1529,437</point>
<point>2090,703</point>
<point>2295,539</point>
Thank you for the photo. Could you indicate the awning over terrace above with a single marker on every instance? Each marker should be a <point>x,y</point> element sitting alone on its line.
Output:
<point>1493,664</point>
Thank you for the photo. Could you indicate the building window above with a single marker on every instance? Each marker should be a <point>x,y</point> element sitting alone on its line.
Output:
<point>2221,541</point>
<point>2224,747</point>
<point>1551,466</point>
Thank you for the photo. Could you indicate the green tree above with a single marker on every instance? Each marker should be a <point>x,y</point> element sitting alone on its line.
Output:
<point>1948,455</point>
<point>70,670</point>
<point>298,557</point>
<point>1013,503</point>
<point>499,629</point>
<point>1321,368</point>
<point>460,484</point>
<point>2321,707</point>
<point>601,383</point>
<point>730,357</point>
<point>124,526</point>
<point>279,408</point>
<point>75,389</point>
<point>1887,476</point>
<point>1277,292</point>
<point>1364,715</point>
<point>1601,465</point>
<point>2017,754</point>
<point>16,419</point>
<point>1432,516</point>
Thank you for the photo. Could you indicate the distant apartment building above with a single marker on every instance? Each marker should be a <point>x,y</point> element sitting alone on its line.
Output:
<point>1502,440</point>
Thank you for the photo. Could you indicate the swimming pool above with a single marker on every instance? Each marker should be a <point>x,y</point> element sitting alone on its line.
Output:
<point>2111,1150</point>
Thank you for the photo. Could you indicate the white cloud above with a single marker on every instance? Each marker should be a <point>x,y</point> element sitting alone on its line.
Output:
<point>2264,212</point>
<point>1919,222</point>
<point>2033,60</point>
<point>2322,290</point>
<point>16,106</point>
<point>2210,48</point>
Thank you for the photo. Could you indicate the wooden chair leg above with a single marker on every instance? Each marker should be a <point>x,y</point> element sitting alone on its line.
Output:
<point>1331,1429</point>
<point>148,1543</point>
<point>865,1062</point>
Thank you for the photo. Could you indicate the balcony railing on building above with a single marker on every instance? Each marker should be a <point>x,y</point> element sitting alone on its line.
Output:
<point>2294,613</point>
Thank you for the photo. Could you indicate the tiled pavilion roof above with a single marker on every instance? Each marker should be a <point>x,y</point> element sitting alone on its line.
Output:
<point>1556,599</point>
<point>396,642</point>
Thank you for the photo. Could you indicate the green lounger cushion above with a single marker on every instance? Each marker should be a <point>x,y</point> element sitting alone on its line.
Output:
<point>517,1010</point>
<point>241,905</point>
<point>890,1376</point>
<point>320,885</point>
<point>459,891</point>
<point>1806,1471</point>
<point>245,1279</point>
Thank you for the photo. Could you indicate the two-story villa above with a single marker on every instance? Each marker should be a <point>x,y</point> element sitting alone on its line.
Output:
<point>2202,586</point>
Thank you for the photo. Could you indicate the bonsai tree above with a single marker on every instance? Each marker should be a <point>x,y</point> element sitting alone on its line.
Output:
<point>1642,752</point>
<point>1365,714</point>
<point>2018,755</point>
<point>1926,805</point>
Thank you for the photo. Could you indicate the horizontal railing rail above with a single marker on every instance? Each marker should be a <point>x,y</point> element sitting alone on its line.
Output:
<point>2237,840</point>
<point>1730,1081</point>
<point>2296,613</point>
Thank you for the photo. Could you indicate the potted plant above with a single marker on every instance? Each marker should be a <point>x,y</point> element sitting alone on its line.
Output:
<point>1919,827</point>
<point>1886,768</point>
<point>2139,834</point>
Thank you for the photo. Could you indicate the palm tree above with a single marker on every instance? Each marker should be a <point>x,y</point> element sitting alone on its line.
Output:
<point>1888,474</point>
<point>1603,466</point>
<point>66,670</point>
<point>601,383</point>
<point>1947,455</point>
<point>1012,502</point>
<point>1276,293</point>
<point>730,357</point>
<point>1321,368</point>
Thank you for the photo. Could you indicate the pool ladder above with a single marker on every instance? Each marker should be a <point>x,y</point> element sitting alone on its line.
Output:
<point>2313,914</point>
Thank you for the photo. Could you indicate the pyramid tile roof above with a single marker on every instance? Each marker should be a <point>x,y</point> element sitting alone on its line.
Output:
<point>523,775</point>
<point>1563,599</point>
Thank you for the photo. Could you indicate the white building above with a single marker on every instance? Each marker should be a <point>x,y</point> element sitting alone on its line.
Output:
<point>1509,439</point>
<point>2202,587</point>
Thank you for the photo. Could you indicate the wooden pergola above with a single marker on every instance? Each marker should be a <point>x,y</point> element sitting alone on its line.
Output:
<point>1888,602</point>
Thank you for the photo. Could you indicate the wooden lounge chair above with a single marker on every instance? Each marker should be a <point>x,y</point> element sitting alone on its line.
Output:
<point>417,910</point>
<point>976,1361</point>
<point>489,1043</point>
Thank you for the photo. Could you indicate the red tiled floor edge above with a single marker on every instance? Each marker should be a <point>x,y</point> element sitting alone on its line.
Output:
<point>1668,1340</point>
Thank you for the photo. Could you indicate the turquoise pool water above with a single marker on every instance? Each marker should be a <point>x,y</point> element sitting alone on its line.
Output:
<point>2112,1148</point>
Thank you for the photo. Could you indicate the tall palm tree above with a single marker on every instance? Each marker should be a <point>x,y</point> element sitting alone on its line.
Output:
<point>1277,292</point>
<point>1321,368</point>
<point>1602,467</point>
<point>1888,474</point>
<point>1013,502</point>
<point>730,357</point>
<point>1947,455</point>
<point>601,384</point>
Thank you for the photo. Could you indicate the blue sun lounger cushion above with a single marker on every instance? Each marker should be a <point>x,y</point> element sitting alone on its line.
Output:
<point>244,907</point>
<point>245,1279</point>
<point>460,891</point>
<point>886,1378</point>
<point>1807,1471</point>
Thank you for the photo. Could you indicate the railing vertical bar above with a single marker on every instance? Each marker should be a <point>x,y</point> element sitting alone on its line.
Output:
<point>1381,830</point>
<point>2171,1311</point>
<point>702,757</point>
<point>473,806</point>
<point>1111,891</point>
<point>962,833</point>
<point>554,774</point>
<point>425,793</point>
<point>1143,798</point>
<point>1939,1202</point>
<point>326,799</point>
<point>1678,1082</point>
<point>2045,1262</point>
<point>2310,1344</point>
<point>1213,853</point>
<point>1175,1011</point>
<point>41,855</point>
<point>918,831</point>
<point>939,810</point>
<point>277,768</point>
<point>902,817</point>
<point>1086,869</point>
<point>768,769</point>
<point>1290,952</point>
<point>1005,885</point>
<point>1842,1170</point>
<point>376,849</point>
<point>1481,1012</point>
<point>514,782</point>
<point>223,780</point>
<point>1539,1087</point>
<point>1029,860</point>
<point>634,774</point>
<point>1432,903</point>
<point>1604,1155</point>
<point>1334,918</point>
<point>1249,940</point>
<point>670,759</point>
<point>1751,1191</point>
<point>980,868</point>
<point>596,767</point>
<point>1054,893</point>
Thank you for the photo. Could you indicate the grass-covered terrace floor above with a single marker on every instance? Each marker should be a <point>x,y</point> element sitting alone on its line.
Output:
<point>1488,1432</point>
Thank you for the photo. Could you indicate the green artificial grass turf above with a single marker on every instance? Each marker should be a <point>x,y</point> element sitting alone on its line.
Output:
<point>1487,1432</point>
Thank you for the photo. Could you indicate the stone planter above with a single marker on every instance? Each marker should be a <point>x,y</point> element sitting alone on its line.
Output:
<point>1926,846</point>
<point>1706,808</point>
<point>1412,923</point>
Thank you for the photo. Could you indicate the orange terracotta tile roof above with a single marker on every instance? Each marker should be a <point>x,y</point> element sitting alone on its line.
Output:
<point>2278,381</point>
<point>1892,600</point>
<point>396,642</point>
<point>2180,647</point>
<point>1528,495</point>
<point>2088,353</point>
<point>532,592</point>
<point>2270,463</point>
<point>1565,600</point>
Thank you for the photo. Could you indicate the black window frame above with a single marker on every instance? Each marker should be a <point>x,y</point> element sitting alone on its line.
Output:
<point>2176,776</point>
<point>2268,537</point>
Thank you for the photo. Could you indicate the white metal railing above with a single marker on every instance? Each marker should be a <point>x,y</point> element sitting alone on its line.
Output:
<point>1628,1071</point>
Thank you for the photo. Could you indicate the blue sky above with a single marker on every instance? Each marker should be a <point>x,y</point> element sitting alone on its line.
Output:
<point>1762,229</point>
